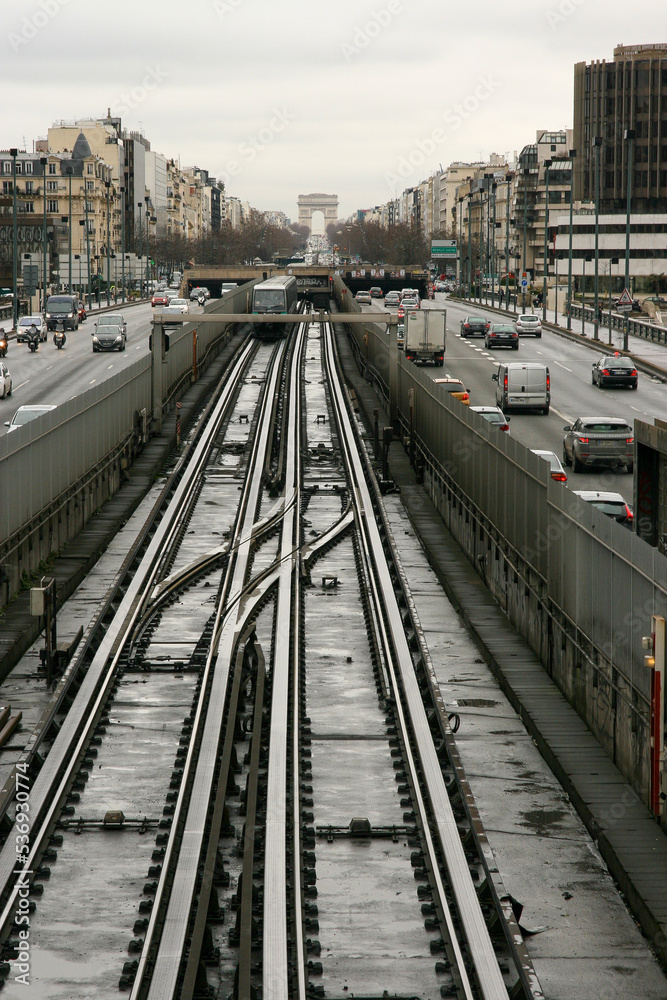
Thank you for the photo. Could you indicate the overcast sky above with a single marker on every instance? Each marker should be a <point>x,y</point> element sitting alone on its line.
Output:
<point>286,97</point>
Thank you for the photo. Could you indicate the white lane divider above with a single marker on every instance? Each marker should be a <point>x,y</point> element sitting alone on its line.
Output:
<point>562,366</point>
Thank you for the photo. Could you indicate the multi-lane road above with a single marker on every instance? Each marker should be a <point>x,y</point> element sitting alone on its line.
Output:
<point>52,376</point>
<point>572,393</point>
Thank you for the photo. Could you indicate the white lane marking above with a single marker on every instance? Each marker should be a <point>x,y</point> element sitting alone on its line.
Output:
<point>562,366</point>
<point>635,408</point>
<point>20,386</point>
<point>109,366</point>
<point>565,416</point>
<point>137,347</point>
<point>49,368</point>
<point>92,381</point>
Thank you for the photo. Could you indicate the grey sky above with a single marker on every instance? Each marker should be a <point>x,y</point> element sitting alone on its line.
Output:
<point>282,97</point>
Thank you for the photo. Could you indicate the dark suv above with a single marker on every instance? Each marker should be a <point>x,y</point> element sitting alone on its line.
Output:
<point>474,326</point>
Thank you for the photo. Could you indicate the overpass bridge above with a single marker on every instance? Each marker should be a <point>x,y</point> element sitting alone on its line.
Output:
<point>313,280</point>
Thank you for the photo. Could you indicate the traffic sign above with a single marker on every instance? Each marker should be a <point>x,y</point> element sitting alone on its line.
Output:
<point>624,304</point>
<point>443,248</point>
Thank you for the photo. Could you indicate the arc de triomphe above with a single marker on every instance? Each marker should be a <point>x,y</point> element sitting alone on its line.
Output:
<point>325,203</point>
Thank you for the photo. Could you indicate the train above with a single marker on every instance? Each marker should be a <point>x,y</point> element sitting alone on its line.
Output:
<point>275,295</point>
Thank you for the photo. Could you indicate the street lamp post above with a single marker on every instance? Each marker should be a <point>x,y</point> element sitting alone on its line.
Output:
<point>507,245</point>
<point>597,144</point>
<point>459,250</point>
<point>573,154</point>
<point>107,185</point>
<point>587,259</point>
<point>147,200</point>
<point>44,161</point>
<point>85,202</point>
<point>122,237</point>
<point>526,174</point>
<point>612,260</point>
<point>629,136</point>
<point>69,171</point>
<point>15,262</point>
<point>547,164</point>
<point>556,259</point>
<point>481,242</point>
<point>493,243</point>
<point>141,236</point>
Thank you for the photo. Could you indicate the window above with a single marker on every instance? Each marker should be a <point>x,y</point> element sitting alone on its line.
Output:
<point>89,168</point>
<point>28,168</point>
<point>8,167</point>
<point>27,206</point>
<point>18,166</point>
<point>89,206</point>
<point>52,206</point>
<point>52,168</point>
<point>28,187</point>
<point>90,185</point>
<point>7,187</point>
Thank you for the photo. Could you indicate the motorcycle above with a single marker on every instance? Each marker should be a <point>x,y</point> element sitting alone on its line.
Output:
<point>59,338</point>
<point>33,338</point>
<point>3,343</point>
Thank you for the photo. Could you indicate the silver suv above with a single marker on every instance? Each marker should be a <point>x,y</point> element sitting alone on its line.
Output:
<point>599,441</point>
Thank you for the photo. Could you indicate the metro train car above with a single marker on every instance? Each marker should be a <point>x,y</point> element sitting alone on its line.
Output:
<point>275,295</point>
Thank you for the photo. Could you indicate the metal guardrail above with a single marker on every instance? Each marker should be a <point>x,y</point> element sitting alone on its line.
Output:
<point>637,328</point>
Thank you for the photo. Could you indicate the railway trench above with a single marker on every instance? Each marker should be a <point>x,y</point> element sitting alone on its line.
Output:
<point>292,824</point>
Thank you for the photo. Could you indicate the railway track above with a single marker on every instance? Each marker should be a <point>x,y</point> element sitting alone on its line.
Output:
<point>304,829</point>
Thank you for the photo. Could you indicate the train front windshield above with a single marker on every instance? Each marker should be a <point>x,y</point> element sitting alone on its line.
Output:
<point>269,300</point>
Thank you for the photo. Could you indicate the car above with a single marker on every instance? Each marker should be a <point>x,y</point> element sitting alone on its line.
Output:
<point>172,293</point>
<point>62,309</point>
<point>407,306</point>
<point>409,293</point>
<point>112,319</point>
<point>529,323</point>
<point>364,297</point>
<point>439,286</point>
<point>181,304</point>
<point>160,299</point>
<point>611,504</point>
<point>376,292</point>
<point>472,326</point>
<point>614,370</point>
<point>494,415</point>
<point>81,307</point>
<point>392,299</point>
<point>24,325</point>
<point>557,471</point>
<point>5,380</point>
<point>598,441</point>
<point>456,387</point>
<point>502,335</point>
<point>108,337</point>
<point>411,300</point>
<point>26,413</point>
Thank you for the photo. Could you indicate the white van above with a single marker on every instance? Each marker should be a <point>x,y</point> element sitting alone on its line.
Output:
<point>524,386</point>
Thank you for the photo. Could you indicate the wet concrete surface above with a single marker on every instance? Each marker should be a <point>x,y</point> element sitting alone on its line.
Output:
<point>587,943</point>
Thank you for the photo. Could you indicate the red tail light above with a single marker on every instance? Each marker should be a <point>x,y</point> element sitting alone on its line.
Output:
<point>560,477</point>
<point>548,382</point>
<point>633,372</point>
<point>630,516</point>
<point>506,383</point>
<point>464,395</point>
<point>629,440</point>
<point>583,440</point>
<point>504,427</point>
<point>605,371</point>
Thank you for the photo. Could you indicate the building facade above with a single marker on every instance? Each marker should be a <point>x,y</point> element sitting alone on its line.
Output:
<point>623,105</point>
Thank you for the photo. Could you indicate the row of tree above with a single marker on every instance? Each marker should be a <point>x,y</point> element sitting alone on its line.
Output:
<point>254,238</point>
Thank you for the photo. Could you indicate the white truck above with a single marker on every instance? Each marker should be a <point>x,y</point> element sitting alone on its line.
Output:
<point>425,335</point>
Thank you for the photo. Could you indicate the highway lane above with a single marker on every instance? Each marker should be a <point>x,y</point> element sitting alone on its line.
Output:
<point>52,376</point>
<point>572,394</point>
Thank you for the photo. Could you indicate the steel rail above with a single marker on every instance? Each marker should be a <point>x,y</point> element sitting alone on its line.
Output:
<point>476,935</point>
<point>57,773</point>
<point>276,980</point>
<point>160,963</point>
